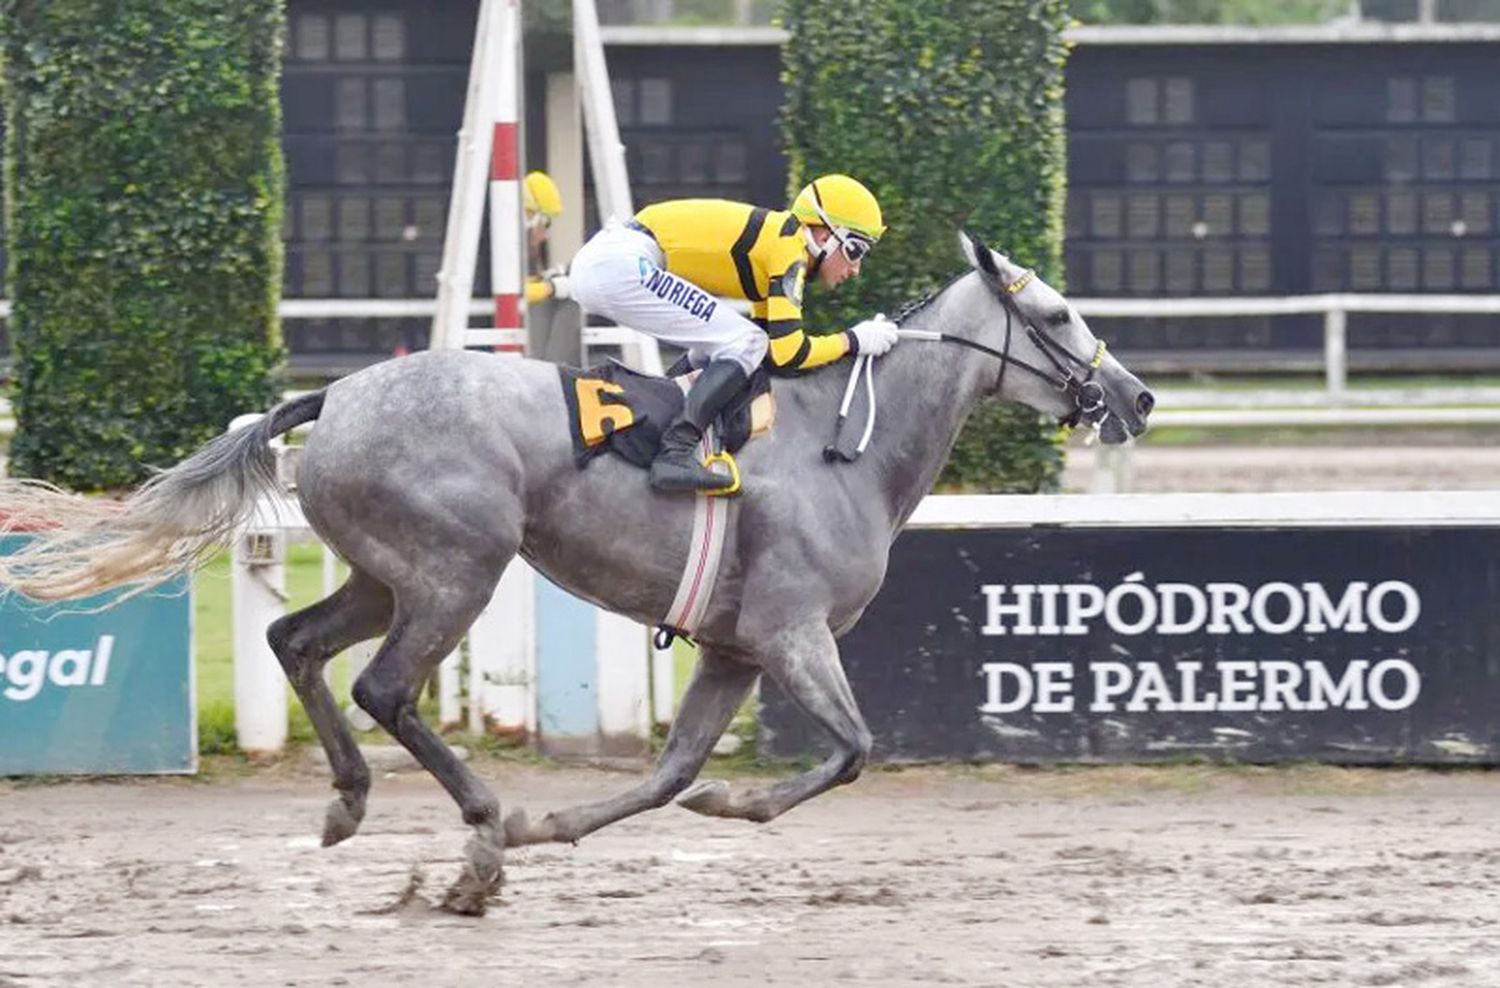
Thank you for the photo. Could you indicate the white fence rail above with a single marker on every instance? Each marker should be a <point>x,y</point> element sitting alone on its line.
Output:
<point>1335,309</point>
<point>1429,406</point>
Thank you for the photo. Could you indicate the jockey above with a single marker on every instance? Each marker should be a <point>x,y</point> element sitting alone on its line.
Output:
<point>662,271</point>
<point>542,203</point>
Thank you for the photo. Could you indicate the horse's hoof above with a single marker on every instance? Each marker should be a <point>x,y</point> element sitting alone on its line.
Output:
<point>710,798</point>
<point>480,880</point>
<point>468,897</point>
<point>341,821</point>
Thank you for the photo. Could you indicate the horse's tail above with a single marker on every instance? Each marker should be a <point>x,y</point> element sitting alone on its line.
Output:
<point>169,526</point>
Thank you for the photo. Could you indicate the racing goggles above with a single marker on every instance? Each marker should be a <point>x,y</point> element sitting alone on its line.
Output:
<point>854,245</point>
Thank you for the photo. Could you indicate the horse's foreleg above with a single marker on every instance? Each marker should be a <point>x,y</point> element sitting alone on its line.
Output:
<point>718,687</point>
<point>304,642</point>
<point>426,628</point>
<point>805,664</point>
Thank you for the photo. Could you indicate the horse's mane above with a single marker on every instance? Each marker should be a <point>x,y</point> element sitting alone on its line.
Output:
<point>923,301</point>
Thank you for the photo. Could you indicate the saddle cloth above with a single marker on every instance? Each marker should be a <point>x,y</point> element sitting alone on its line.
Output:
<point>612,408</point>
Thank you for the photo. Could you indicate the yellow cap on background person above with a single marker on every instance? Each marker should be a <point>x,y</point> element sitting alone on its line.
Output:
<point>842,204</point>
<point>541,195</point>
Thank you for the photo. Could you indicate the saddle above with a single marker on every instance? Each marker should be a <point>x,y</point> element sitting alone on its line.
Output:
<point>614,409</point>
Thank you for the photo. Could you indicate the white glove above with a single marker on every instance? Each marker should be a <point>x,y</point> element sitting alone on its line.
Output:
<point>874,336</point>
<point>560,288</point>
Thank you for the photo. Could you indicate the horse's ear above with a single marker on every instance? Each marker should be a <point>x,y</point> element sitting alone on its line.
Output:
<point>977,253</point>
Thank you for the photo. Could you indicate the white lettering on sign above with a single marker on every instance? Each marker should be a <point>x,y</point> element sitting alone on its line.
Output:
<point>1134,607</point>
<point>1187,687</point>
<point>24,673</point>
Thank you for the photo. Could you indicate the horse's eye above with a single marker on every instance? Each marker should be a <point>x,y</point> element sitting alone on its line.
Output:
<point>1059,317</point>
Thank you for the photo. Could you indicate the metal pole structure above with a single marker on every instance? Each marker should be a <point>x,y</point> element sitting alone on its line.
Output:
<point>606,151</point>
<point>611,182</point>
<point>500,685</point>
<point>507,231</point>
<point>461,240</point>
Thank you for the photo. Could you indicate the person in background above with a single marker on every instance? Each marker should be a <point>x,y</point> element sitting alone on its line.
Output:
<point>542,203</point>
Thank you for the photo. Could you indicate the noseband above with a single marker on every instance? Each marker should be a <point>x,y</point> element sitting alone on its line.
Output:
<point>1087,393</point>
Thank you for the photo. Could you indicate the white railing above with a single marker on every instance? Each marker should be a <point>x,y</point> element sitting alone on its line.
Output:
<point>1335,309</point>
<point>1292,407</point>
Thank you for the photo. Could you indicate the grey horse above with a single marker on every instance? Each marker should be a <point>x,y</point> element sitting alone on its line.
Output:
<point>428,474</point>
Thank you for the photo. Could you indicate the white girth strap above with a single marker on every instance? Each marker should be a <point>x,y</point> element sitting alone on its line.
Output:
<point>710,524</point>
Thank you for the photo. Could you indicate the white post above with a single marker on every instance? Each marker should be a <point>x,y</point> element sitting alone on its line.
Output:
<point>1111,469</point>
<point>258,596</point>
<point>328,565</point>
<point>621,649</point>
<point>500,643</point>
<point>1335,353</point>
<point>257,582</point>
<point>357,659</point>
<point>466,201</point>
<point>507,234</point>
<point>663,684</point>
<point>450,709</point>
<point>606,151</point>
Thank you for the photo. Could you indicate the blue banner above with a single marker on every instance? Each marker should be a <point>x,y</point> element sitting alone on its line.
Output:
<point>97,693</point>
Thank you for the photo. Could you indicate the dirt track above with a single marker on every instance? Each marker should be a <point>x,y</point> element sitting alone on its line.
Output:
<point>1123,876</point>
<point>1400,464</point>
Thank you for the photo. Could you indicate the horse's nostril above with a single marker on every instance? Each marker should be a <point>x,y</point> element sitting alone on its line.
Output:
<point>1144,403</point>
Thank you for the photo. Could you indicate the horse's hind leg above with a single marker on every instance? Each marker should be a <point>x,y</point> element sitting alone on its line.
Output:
<point>719,686</point>
<point>429,621</point>
<point>805,664</point>
<point>304,642</point>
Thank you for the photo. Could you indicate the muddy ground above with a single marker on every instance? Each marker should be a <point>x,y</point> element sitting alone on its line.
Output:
<point>1183,875</point>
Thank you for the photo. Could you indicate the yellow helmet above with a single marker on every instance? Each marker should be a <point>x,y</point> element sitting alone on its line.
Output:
<point>842,204</point>
<point>542,196</point>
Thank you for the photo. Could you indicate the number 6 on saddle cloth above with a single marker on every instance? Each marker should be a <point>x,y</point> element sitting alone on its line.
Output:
<point>612,408</point>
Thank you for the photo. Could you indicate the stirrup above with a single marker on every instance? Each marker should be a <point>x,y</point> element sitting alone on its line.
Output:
<point>726,458</point>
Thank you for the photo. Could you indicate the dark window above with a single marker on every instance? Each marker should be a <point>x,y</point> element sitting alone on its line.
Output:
<point>349,38</point>
<point>656,101</point>
<point>311,39</point>
<point>730,162</point>
<point>1141,97</point>
<point>1177,101</point>
<point>1142,162</point>
<point>353,112</point>
<point>390,104</point>
<point>354,219</point>
<point>389,38</point>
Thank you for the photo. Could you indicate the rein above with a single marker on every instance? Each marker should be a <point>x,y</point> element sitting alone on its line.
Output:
<point>1087,394</point>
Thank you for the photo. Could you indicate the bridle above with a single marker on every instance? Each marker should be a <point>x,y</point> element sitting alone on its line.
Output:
<point>1087,393</point>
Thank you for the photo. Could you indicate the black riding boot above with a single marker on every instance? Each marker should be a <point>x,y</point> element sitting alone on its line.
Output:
<point>677,467</point>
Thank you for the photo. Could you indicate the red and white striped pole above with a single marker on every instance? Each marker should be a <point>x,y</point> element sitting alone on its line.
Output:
<point>507,254</point>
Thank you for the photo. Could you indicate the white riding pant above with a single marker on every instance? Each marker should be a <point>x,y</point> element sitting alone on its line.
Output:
<point>619,274</point>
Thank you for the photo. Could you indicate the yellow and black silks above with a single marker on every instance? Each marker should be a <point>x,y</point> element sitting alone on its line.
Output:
<point>612,408</point>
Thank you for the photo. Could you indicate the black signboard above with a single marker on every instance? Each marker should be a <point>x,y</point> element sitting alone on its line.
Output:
<point>1110,644</point>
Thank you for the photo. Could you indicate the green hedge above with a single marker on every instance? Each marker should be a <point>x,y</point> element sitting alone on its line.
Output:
<point>952,112</point>
<point>143,197</point>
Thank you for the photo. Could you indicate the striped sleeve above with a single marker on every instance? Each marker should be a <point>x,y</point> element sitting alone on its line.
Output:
<point>792,348</point>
